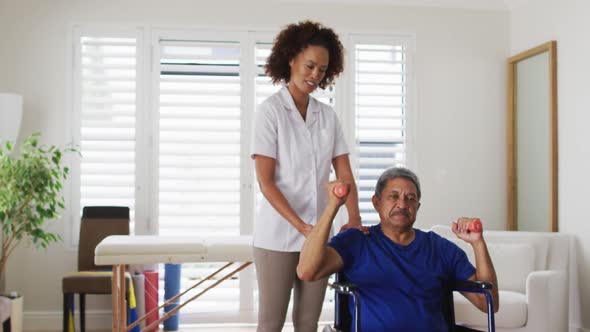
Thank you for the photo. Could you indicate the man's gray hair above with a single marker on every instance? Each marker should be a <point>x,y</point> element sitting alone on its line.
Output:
<point>396,172</point>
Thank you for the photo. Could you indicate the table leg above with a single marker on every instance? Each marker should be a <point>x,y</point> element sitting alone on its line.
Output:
<point>122,305</point>
<point>114,295</point>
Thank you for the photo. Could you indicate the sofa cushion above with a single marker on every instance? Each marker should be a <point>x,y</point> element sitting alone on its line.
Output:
<point>513,262</point>
<point>512,313</point>
<point>539,241</point>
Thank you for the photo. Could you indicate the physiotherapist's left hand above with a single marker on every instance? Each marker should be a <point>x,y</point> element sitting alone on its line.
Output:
<point>350,224</point>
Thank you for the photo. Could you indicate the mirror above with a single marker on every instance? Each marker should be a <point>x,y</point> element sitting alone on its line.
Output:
<point>532,139</point>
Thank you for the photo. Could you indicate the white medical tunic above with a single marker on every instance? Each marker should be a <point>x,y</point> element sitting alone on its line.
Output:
<point>303,150</point>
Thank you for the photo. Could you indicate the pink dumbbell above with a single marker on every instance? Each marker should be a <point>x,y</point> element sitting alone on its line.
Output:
<point>340,190</point>
<point>476,226</point>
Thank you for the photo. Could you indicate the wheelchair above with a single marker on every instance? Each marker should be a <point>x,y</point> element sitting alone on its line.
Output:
<point>345,291</point>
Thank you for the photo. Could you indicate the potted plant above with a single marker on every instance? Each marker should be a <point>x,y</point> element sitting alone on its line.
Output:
<point>30,194</point>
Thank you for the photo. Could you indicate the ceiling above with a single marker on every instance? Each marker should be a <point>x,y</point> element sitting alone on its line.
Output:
<point>467,4</point>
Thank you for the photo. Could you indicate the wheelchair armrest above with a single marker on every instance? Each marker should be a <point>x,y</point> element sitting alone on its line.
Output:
<point>482,287</point>
<point>344,287</point>
<point>471,286</point>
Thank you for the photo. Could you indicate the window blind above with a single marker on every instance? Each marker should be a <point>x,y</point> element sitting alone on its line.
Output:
<point>199,139</point>
<point>380,112</point>
<point>107,85</point>
<point>263,85</point>
<point>199,153</point>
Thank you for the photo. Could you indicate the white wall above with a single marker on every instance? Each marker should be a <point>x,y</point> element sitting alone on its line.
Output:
<point>460,134</point>
<point>533,23</point>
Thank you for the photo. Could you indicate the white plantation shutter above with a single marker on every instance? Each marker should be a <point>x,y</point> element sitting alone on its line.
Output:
<point>263,85</point>
<point>107,80</point>
<point>199,153</point>
<point>380,87</point>
<point>199,138</point>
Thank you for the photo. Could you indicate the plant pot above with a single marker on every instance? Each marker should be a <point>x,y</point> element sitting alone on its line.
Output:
<point>16,316</point>
<point>16,319</point>
<point>16,309</point>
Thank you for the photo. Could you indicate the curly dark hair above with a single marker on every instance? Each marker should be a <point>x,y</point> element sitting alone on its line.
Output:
<point>294,39</point>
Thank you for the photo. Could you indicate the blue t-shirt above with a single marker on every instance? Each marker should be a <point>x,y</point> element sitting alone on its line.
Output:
<point>401,287</point>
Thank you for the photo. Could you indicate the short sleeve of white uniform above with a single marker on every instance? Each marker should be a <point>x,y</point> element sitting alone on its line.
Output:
<point>264,136</point>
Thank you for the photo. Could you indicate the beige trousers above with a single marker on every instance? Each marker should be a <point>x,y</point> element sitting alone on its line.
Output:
<point>276,274</point>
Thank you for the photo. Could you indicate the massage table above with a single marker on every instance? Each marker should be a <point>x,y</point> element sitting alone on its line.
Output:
<point>121,250</point>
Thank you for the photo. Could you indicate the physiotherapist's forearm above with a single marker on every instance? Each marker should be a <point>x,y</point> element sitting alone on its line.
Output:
<point>265,174</point>
<point>278,201</point>
<point>344,174</point>
<point>352,205</point>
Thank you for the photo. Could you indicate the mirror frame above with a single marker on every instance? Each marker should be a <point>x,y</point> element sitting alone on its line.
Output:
<point>551,48</point>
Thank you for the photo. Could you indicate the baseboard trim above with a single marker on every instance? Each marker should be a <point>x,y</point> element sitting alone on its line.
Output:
<point>46,321</point>
<point>41,321</point>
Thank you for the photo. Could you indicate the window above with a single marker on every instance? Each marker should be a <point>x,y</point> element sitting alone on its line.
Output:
<point>199,138</point>
<point>170,137</point>
<point>105,95</point>
<point>199,147</point>
<point>380,71</point>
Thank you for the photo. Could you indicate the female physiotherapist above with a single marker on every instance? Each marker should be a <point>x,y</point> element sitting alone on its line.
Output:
<point>296,141</point>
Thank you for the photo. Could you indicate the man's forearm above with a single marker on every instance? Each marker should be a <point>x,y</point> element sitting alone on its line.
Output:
<point>484,269</point>
<point>314,248</point>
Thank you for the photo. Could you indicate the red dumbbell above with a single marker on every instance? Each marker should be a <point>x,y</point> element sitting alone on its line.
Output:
<point>475,226</point>
<point>340,190</point>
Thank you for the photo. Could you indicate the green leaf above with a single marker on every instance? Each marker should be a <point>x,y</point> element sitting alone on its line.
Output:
<point>30,190</point>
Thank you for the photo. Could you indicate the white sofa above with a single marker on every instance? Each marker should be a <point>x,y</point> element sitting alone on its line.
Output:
<point>532,271</point>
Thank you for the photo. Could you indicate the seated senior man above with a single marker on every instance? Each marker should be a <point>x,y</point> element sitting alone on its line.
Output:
<point>401,271</point>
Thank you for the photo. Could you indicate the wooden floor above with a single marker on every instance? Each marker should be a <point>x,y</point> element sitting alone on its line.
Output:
<point>229,328</point>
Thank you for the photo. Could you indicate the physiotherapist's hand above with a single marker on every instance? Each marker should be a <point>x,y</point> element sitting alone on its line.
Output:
<point>468,229</point>
<point>305,229</point>
<point>361,228</point>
